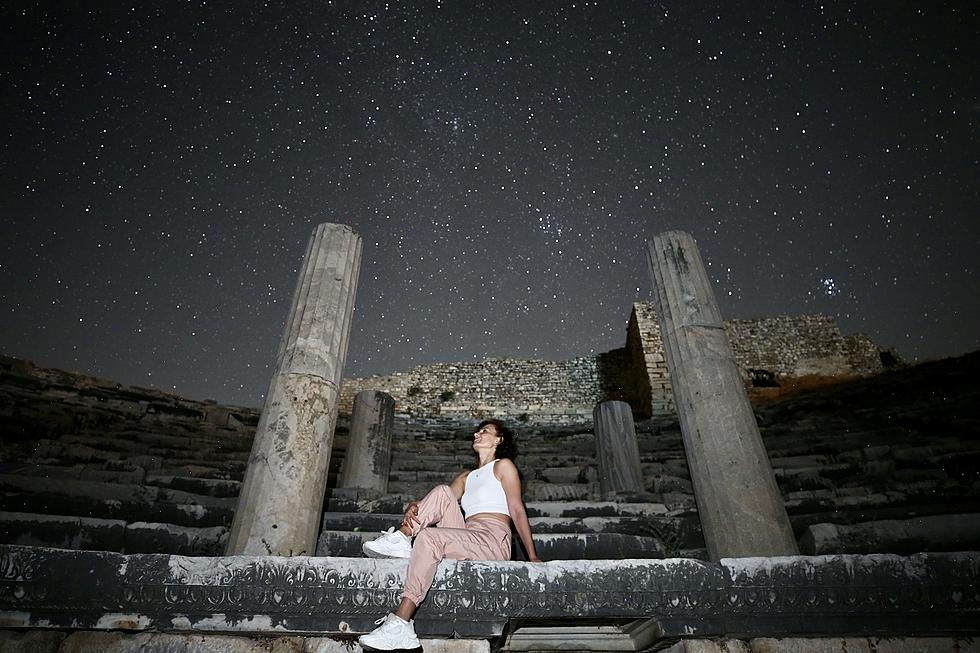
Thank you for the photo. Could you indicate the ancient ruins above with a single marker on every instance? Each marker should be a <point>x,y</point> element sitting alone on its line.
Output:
<point>766,350</point>
<point>121,526</point>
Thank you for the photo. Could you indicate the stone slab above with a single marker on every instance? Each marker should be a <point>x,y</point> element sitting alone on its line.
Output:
<point>929,594</point>
<point>634,635</point>
<point>121,642</point>
<point>708,646</point>
<point>550,546</point>
<point>32,641</point>
<point>863,645</point>
<point>922,533</point>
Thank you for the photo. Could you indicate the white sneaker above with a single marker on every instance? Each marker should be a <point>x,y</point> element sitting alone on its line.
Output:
<point>391,544</point>
<point>394,634</point>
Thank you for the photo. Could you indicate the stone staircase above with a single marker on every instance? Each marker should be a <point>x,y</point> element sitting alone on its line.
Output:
<point>568,518</point>
<point>886,464</point>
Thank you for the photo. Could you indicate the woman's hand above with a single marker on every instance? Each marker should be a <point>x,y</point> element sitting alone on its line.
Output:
<point>411,519</point>
<point>535,559</point>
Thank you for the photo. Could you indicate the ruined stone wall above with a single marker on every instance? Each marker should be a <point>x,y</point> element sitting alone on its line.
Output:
<point>567,391</point>
<point>534,390</point>
<point>801,345</point>
<point>644,332</point>
<point>863,354</point>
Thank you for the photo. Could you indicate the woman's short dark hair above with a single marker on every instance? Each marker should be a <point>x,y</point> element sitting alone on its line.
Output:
<point>507,447</point>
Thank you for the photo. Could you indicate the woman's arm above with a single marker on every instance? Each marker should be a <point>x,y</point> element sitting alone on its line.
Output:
<point>458,486</point>
<point>506,473</point>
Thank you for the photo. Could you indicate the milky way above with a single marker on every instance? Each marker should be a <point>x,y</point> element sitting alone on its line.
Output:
<point>164,165</point>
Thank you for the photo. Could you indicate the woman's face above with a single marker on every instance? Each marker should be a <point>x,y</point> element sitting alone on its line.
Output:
<point>486,438</point>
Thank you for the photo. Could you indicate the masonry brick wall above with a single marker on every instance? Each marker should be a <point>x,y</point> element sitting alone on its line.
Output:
<point>554,391</point>
<point>567,391</point>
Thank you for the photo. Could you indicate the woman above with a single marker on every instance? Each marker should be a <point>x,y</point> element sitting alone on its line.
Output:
<point>491,499</point>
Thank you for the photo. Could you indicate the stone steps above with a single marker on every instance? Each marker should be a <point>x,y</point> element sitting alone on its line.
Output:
<point>76,472</point>
<point>166,446</point>
<point>51,452</point>
<point>947,532</point>
<point>839,457</point>
<point>195,485</point>
<point>71,532</point>
<point>550,546</point>
<point>645,526</point>
<point>113,501</point>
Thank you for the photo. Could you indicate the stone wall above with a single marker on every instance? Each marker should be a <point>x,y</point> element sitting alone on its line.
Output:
<point>527,390</point>
<point>767,349</point>
<point>800,345</point>
<point>643,333</point>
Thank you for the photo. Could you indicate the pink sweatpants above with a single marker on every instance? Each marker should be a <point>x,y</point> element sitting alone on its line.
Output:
<point>481,537</point>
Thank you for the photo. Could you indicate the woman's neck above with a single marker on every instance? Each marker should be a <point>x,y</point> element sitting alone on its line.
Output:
<point>485,458</point>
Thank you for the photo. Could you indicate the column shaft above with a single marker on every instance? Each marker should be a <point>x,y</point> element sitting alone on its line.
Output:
<point>616,448</point>
<point>741,510</point>
<point>282,496</point>
<point>368,457</point>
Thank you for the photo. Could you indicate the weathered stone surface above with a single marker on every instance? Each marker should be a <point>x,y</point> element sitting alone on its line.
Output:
<point>930,533</point>
<point>926,594</point>
<point>282,495</point>
<point>825,645</point>
<point>36,641</point>
<point>120,642</point>
<point>741,510</point>
<point>368,458</point>
<point>862,645</point>
<point>113,500</point>
<point>708,646</point>
<point>616,449</point>
<point>550,546</point>
<point>633,635</point>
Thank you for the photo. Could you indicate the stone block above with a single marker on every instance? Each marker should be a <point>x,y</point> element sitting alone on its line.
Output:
<point>760,597</point>
<point>708,646</point>
<point>929,533</point>
<point>635,635</point>
<point>862,645</point>
<point>810,645</point>
<point>61,531</point>
<point>32,641</point>
<point>121,642</point>
<point>924,644</point>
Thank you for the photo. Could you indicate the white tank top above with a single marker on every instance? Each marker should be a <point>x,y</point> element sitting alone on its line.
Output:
<point>483,492</point>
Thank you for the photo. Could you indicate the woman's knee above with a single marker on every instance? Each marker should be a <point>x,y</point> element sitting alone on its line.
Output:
<point>440,490</point>
<point>426,541</point>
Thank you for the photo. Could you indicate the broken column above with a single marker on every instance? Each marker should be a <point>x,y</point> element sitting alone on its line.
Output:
<point>741,510</point>
<point>368,457</point>
<point>616,448</point>
<point>282,496</point>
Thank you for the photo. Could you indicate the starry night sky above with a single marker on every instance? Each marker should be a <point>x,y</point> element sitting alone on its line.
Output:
<point>163,165</point>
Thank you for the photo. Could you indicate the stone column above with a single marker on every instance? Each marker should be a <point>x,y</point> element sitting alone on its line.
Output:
<point>368,458</point>
<point>616,448</point>
<point>282,496</point>
<point>742,512</point>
